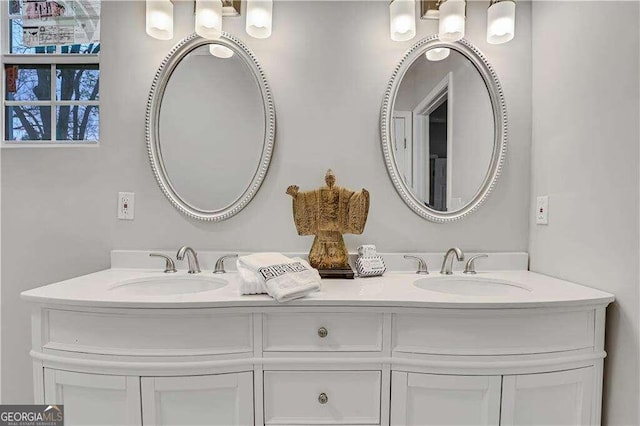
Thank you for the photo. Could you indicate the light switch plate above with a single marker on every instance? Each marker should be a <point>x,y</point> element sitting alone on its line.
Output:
<point>542,210</point>
<point>126,203</point>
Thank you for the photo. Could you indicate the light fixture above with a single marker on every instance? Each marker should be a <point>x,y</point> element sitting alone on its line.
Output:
<point>403,20</point>
<point>259,18</point>
<point>220,51</point>
<point>159,19</point>
<point>437,54</point>
<point>209,18</point>
<point>452,20</point>
<point>231,7</point>
<point>429,9</point>
<point>501,21</point>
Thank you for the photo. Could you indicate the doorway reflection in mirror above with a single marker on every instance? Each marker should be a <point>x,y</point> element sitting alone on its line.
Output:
<point>443,133</point>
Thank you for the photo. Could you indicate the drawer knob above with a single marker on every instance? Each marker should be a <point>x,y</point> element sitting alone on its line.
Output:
<point>323,398</point>
<point>323,332</point>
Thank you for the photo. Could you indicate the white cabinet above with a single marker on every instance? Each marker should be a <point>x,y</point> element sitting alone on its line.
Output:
<point>97,399</point>
<point>94,399</point>
<point>222,399</point>
<point>322,332</point>
<point>322,397</point>
<point>490,332</point>
<point>431,399</point>
<point>298,365</point>
<point>561,399</point>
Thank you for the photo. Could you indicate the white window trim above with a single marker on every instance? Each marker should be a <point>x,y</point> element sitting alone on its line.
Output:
<point>39,59</point>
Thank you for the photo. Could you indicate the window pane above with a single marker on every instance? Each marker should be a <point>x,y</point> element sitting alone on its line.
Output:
<point>78,122</point>
<point>16,44</point>
<point>28,123</point>
<point>81,49</point>
<point>28,82</point>
<point>77,82</point>
<point>14,7</point>
<point>81,17</point>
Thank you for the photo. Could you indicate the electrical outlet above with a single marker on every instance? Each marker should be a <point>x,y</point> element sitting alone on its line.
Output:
<point>126,203</point>
<point>542,210</point>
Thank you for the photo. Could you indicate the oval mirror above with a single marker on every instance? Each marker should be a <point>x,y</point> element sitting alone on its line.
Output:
<point>443,129</point>
<point>210,127</point>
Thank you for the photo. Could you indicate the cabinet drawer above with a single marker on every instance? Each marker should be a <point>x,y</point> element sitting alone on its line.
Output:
<point>149,333</point>
<point>322,397</point>
<point>301,332</point>
<point>492,332</point>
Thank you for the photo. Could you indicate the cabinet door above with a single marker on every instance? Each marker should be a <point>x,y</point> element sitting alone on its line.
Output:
<point>430,399</point>
<point>222,399</point>
<point>94,399</point>
<point>561,398</point>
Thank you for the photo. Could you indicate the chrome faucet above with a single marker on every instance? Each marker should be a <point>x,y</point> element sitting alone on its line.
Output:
<point>220,263</point>
<point>447,263</point>
<point>422,265</point>
<point>192,258</point>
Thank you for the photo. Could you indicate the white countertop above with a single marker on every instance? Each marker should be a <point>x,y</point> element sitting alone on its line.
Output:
<point>390,290</point>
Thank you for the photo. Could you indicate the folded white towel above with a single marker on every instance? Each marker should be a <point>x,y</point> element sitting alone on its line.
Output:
<point>249,282</point>
<point>281,277</point>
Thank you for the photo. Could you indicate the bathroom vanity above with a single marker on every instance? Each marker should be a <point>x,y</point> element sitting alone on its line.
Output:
<point>137,346</point>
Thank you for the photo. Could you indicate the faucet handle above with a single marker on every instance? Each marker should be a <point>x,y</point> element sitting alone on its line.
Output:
<point>169,266</point>
<point>220,263</point>
<point>422,265</point>
<point>470,267</point>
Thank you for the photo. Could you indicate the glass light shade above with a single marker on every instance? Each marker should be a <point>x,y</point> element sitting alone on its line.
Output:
<point>501,22</point>
<point>452,20</point>
<point>259,18</point>
<point>209,19</point>
<point>220,51</point>
<point>437,54</point>
<point>403,20</point>
<point>159,19</point>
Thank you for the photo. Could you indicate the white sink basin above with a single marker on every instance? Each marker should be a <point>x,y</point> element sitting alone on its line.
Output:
<point>471,286</point>
<point>169,285</point>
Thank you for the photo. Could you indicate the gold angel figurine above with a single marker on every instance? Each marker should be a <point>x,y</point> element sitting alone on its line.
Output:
<point>328,212</point>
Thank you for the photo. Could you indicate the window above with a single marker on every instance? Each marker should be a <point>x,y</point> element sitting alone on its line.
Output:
<point>51,89</point>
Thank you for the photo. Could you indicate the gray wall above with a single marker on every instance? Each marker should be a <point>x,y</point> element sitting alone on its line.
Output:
<point>328,64</point>
<point>586,157</point>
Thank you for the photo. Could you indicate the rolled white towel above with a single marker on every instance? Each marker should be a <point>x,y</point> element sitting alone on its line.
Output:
<point>281,277</point>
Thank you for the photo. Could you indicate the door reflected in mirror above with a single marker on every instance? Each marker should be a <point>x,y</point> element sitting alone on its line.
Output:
<point>443,131</point>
